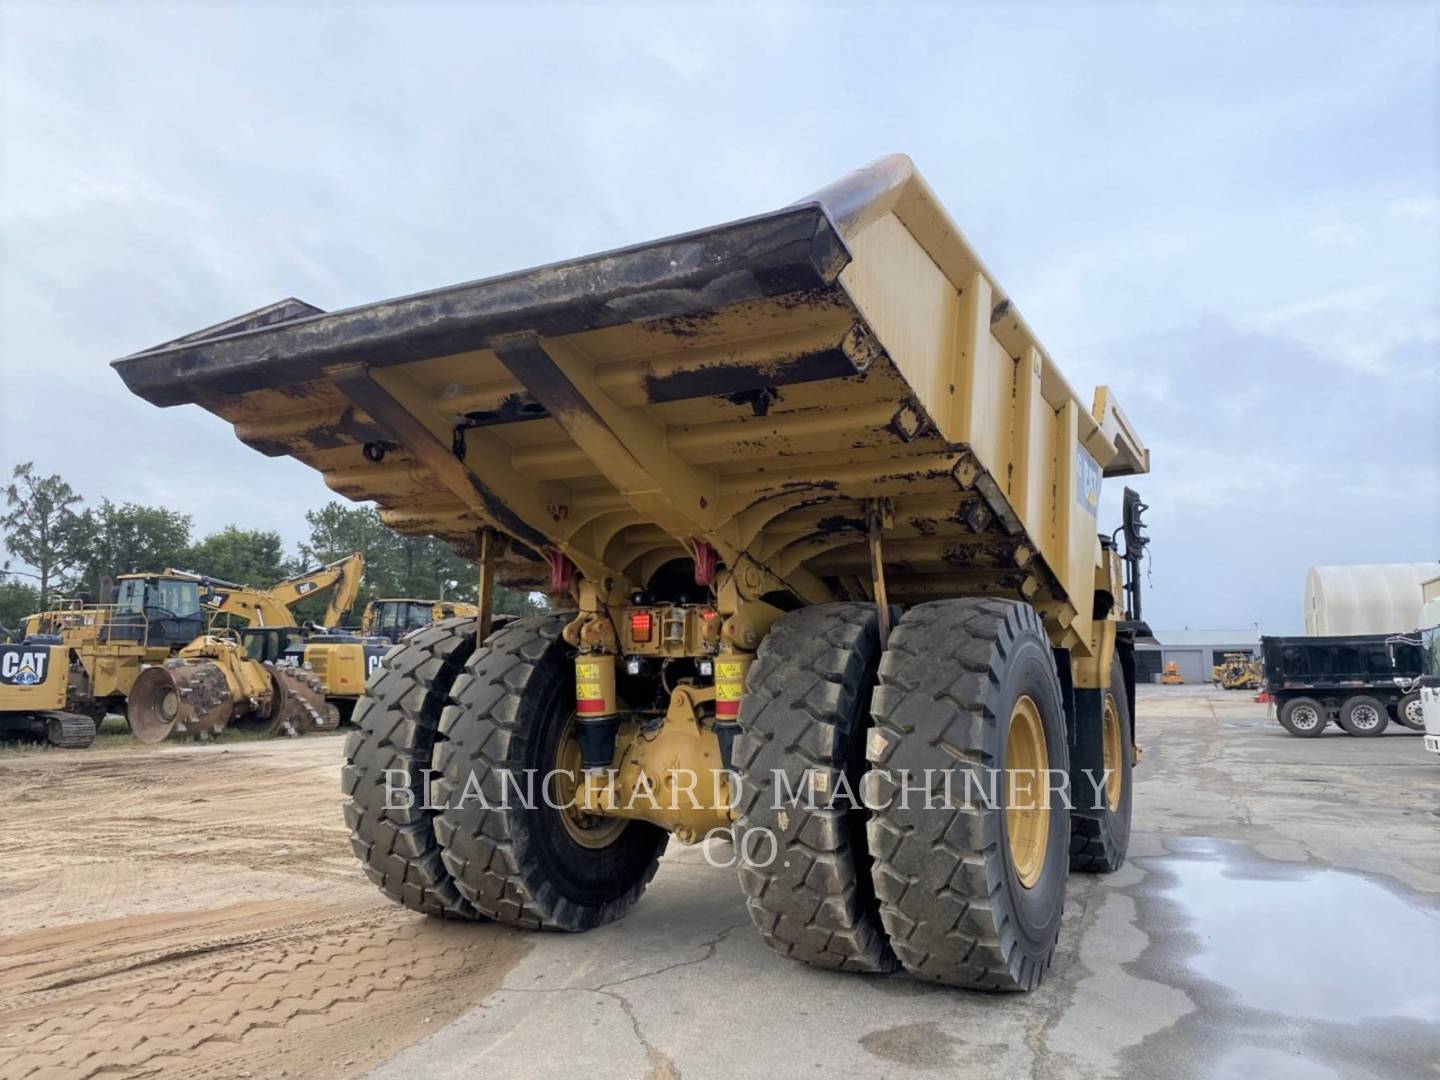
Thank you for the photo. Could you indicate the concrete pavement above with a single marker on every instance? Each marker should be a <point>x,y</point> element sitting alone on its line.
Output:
<point>1279,916</point>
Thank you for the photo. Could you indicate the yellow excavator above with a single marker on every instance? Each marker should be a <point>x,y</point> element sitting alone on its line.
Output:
<point>35,696</point>
<point>274,604</point>
<point>343,661</point>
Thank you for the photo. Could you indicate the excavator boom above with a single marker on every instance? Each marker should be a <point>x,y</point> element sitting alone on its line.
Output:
<point>273,606</point>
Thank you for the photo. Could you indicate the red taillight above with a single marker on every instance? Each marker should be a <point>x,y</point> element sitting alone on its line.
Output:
<point>707,614</point>
<point>640,625</point>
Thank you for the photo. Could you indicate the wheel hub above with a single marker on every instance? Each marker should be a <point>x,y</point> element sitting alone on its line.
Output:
<point>1364,717</point>
<point>1027,810</point>
<point>587,830</point>
<point>1111,749</point>
<point>1305,718</point>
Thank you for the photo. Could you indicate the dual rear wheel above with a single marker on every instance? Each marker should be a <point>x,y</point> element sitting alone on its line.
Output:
<point>911,797</point>
<point>948,841</point>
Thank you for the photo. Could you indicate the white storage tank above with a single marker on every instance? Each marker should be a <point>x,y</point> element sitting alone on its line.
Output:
<point>1381,599</point>
<point>1430,594</point>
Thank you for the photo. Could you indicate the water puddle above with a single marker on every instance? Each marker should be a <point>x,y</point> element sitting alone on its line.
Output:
<point>1312,944</point>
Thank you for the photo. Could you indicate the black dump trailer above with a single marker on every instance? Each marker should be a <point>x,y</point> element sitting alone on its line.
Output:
<point>1350,680</point>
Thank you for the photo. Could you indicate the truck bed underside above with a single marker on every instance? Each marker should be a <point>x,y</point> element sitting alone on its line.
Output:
<point>722,386</point>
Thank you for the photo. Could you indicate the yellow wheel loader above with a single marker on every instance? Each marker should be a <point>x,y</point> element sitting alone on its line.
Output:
<point>819,516</point>
<point>1237,671</point>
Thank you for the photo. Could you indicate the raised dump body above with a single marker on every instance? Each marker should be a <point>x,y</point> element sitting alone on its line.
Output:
<point>825,427</point>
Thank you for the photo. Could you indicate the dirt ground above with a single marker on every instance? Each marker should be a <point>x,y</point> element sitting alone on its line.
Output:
<point>196,912</point>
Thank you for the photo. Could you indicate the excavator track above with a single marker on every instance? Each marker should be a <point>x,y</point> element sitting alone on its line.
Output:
<point>69,731</point>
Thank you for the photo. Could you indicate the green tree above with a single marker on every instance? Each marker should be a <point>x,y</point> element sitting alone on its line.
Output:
<point>395,565</point>
<point>127,538</point>
<point>244,556</point>
<point>16,601</point>
<point>42,527</point>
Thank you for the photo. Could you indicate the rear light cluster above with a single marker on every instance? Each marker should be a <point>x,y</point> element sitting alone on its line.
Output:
<point>669,626</point>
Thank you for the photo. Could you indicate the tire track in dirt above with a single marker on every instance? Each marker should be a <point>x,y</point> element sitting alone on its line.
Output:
<point>245,943</point>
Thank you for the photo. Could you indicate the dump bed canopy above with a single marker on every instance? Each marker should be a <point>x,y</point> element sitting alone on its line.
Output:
<point>749,385</point>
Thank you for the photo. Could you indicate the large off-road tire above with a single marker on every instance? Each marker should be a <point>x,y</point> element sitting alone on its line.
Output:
<point>520,859</point>
<point>1364,716</point>
<point>971,887</point>
<point>1408,711</point>
<point>1100,833</point>
<point>1303,717</point>
<point>804,862</point>
<point>395,724</point>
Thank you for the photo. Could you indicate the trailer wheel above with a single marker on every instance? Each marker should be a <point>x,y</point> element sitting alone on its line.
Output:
<point>971,886</point>
<point>803,719</point>
<point>1100,838</point>
<point>395,723</point>
<point>1303,717</point>
<point>513,850</point>
<point>1408,711</point>
<point>1364,716</point>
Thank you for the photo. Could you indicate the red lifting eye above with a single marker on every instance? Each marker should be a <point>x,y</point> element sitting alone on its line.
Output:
<point>640,625</point>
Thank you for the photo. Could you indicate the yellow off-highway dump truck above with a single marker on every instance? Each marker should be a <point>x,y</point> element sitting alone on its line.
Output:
<point>818,517</point>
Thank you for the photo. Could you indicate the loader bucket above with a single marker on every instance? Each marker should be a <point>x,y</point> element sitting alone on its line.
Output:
<point>749,387</point>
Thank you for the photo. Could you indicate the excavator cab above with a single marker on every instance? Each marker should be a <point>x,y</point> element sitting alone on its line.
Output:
<point>393,619</point>
<point>156,610</point>
<point>273,644</point>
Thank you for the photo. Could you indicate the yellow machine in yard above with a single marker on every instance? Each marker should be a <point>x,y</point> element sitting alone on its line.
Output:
<point>35,696</point>
<point>224,680</point>
<point>824,515</point>
<point>109,644</point>
<point>1238,671</point>
<point>394,618</point>
<point>152,655</point>
<point>274,605</point>
<point>336,661</point>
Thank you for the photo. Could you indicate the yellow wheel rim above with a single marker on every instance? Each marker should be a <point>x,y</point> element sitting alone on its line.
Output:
<point>1111,749</point>
<point>1027,802</point>
<point>587,830</point>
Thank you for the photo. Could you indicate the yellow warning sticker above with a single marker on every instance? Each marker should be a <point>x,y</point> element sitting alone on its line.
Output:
<point>587,671</point>
<point>729,670</point>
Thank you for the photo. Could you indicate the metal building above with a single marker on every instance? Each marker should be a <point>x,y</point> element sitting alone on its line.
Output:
<point>1194,651</point>
<point>1384,598</point>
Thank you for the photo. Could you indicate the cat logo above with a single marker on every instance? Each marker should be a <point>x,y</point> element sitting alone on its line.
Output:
<point>23,667</point>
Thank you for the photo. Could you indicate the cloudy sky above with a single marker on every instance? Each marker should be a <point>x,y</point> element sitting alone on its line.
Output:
<point>1230,215</point>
